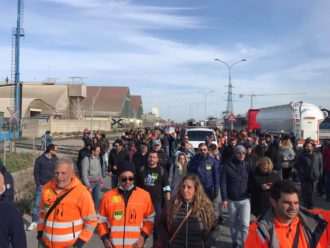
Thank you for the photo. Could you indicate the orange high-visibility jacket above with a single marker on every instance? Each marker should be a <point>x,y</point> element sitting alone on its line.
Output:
<point>125,224</point>
<point>319,221</point>
<point>73,218</point>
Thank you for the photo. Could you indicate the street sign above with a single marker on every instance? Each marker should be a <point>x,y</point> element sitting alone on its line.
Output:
<point>231,118</point>
<point>116,123</point>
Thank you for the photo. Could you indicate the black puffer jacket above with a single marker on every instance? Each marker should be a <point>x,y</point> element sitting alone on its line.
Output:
<point>310,166</point>
<point>8,195</point>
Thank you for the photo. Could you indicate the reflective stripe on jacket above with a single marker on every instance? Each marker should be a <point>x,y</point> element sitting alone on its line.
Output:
<point>124,224</point>
<point>314,231</point>
<point>73,218</point>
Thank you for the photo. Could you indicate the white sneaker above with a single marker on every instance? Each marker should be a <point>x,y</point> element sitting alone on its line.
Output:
<point>32,226</point>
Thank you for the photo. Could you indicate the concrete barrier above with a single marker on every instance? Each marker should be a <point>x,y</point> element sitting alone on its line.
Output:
<point>24,184</point>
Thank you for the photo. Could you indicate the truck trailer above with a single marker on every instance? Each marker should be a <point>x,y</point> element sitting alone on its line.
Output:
<point>300,118</point>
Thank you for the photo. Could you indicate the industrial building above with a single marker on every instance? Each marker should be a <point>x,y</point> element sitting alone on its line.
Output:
<point>75,102</point>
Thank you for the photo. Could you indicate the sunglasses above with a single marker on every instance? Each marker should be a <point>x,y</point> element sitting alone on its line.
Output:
<point>125,179</point>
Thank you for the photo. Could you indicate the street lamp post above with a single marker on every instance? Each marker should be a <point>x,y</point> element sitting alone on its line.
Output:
<point>205,94</point>
<point>229,107</point>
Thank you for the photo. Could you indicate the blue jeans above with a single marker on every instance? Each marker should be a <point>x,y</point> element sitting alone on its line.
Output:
<point>114,181</point>
<point>327,185</point>
<point>239,217</point>
<point>36,207</point>
<point>96,194</point>
<point>157,208</point>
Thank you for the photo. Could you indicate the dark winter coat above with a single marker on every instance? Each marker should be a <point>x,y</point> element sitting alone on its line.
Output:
<point>234,180</point>
<point>8,195</point>
<point>44,169</point>
<point>227,154</point>
<point>12,233</point>
<point>82,153</point>
<point>115,159</point>
<point>140,160</point>
<point>259,197</point>
<point>309,166</point>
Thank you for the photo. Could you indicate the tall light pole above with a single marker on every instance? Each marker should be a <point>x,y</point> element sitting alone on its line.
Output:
<point>229,107</point>
<point>205,94</point>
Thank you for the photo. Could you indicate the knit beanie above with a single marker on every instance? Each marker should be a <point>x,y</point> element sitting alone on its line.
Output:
<point>239,149</point>
<point>125,166</point>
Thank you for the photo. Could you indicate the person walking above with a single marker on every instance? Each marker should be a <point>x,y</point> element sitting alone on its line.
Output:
<point>83,152</point>
<point>91,174</point>
<point>227,152</point>
<point>128,210</point>
<point>67,215</point>
<point>310,167</point>
<point>286,156</point>
<point>140,158</point>
<point>189,219</point>
<point>117,155</point>
<point>285,224</point>
<point>206,168</point>
<point>235,176</point>
<point>154,179</point>
<point>262,180</point>
<point>178,170</point>
<point>43,172</point>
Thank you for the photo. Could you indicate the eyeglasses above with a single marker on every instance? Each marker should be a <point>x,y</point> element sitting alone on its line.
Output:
<point>125,179</point>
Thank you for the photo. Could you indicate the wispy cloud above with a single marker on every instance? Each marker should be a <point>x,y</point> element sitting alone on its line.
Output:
<point>166,53</point>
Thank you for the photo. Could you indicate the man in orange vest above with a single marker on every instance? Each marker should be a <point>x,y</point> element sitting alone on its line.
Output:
<point>128,210</point>
<point>287,225</point>
<point>70,221</point>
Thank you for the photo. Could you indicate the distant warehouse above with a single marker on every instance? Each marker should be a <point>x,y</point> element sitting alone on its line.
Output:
<point>53,101</point>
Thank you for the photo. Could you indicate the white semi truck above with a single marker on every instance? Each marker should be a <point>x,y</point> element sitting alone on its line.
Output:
<point>302,119</point>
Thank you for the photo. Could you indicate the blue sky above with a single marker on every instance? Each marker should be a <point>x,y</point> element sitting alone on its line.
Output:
<point>164,49</point>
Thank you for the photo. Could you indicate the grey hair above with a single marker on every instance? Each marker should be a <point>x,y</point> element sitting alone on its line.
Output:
<point>65,161</point>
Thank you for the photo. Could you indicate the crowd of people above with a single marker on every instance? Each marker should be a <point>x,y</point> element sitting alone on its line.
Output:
<point>162,186</point>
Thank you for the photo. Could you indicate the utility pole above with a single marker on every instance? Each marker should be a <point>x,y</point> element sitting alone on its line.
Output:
<point>205,94</point>
<point>229,107</point>
<point>18,87</point>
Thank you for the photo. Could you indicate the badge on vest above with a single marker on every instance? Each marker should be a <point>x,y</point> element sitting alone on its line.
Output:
<point>208,166</point>
<point>116,199</point>
<point>118,215</point>
<point>154,176</point>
